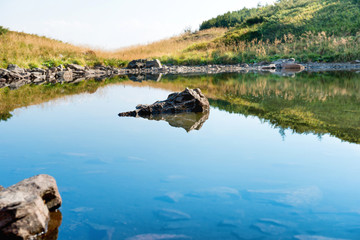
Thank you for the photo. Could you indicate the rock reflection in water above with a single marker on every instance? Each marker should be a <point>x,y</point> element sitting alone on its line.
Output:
<point>187,121</point>
<point>53,226</point>
<point>145,77</point>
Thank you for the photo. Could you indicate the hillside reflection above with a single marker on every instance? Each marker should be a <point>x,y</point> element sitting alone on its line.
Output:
<point>318,103</point>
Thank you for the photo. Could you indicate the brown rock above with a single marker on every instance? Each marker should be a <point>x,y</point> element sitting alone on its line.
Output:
<point>24,207</point>
<point>1,188</point>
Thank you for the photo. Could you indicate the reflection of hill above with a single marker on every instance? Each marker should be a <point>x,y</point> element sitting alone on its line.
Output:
<point>30,95</point>
<point>320,103</point>
<point>188,121</point>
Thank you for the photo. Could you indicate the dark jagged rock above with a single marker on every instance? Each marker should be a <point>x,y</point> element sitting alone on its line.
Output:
<point>15,68</point>
<point>187,121</point>
<point>153,63</point>
<point>190,100</point>
<point>144,63</point>
<point>140,63</point>
<point>25,207</point>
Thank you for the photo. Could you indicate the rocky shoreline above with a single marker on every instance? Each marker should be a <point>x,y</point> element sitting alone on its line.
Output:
<point>15,77</point>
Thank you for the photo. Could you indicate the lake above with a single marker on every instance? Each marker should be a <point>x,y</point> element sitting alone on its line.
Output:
<point>278,157</point>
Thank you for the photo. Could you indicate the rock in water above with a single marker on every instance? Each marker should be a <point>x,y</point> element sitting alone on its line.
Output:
<point>190,100</point>
<point>25,206</point>
<point>1,188</point>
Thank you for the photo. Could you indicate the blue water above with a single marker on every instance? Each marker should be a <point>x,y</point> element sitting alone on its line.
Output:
<point>132,178</point>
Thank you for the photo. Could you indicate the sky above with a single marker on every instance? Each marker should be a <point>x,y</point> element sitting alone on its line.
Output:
<point>113,24</point>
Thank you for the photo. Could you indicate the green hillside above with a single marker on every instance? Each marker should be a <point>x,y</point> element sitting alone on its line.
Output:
<point>335,17</point>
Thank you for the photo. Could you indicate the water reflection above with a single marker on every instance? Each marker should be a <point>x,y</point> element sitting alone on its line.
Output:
<point>124,178</point>
<point>317,103</point>
<point>187,121</point>
<point>53,226</point>
<point>145,77</point>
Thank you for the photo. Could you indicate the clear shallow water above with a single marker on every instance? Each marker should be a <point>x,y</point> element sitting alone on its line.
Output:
<point>235,178</point>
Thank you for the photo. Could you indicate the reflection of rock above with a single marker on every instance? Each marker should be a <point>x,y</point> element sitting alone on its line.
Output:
<point>189,100</point>
<point>53,226</point>
<point>25,206</point>
<point>187,121</point>
<point>145,77</point>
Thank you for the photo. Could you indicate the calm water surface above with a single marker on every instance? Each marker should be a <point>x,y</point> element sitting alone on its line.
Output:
<point>240,175</point>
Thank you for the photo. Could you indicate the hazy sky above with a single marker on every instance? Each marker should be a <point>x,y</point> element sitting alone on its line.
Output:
<point>111,24</point>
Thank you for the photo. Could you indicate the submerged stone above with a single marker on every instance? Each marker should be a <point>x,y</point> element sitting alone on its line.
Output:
<point>153,236</point>
<point>229,223</point>
<point>172,215</point>
<point>171,197</point>
<point>217,192</point>
<point>268,228</point>
<point>315,237</point>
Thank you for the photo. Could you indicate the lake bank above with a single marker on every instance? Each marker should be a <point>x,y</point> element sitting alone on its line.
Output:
<point>15,77</point>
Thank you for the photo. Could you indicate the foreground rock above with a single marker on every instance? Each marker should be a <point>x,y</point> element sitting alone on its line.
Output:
<point>25,207</point>
<point>190,100</point>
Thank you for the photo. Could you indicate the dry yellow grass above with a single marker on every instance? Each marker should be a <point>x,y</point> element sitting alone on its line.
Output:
<point>167,47</point>
<point>27,50</point>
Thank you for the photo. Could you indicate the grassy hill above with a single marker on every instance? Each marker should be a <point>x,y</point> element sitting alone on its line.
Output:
<point>296,17</point>
<point>308,30</point>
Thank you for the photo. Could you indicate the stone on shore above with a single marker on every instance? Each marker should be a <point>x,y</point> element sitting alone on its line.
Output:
<point>15,68</point>
<point>25,207</point>
<point>144,63</point>
<point>76,67</point>
<point>293,66</point>
<point>190,100</point>
<point>153,63</point>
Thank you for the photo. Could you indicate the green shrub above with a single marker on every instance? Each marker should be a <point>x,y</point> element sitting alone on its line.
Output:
<point>3,30</point>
